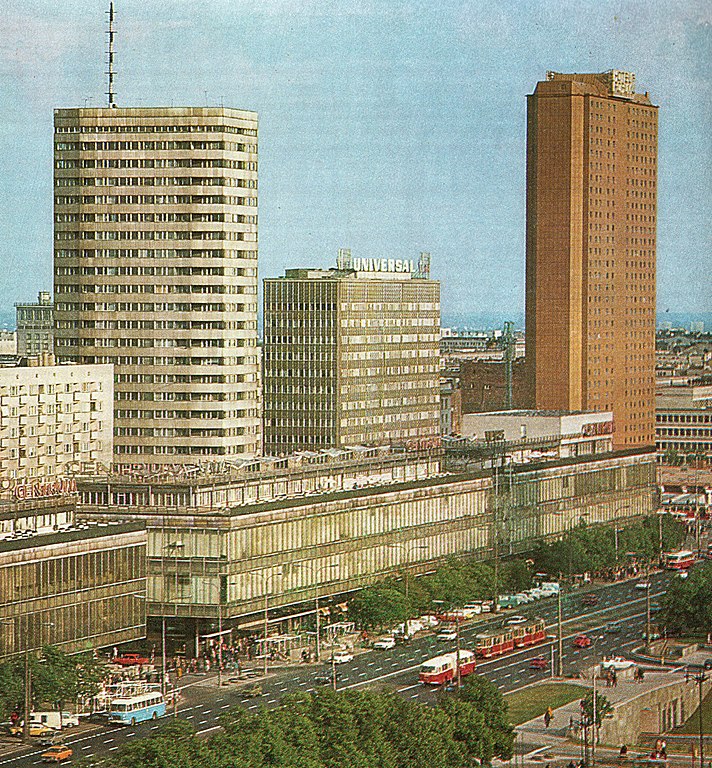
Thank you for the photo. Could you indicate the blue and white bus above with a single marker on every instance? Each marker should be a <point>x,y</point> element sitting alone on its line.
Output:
<point>130,710</point>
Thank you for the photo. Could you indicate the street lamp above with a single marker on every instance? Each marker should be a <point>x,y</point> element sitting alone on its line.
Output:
<point>266,577</point>
<point>407,549</point>
<point>315,577</point>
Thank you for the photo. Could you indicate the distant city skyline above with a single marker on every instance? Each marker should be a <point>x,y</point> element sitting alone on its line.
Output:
<point>389,128</point>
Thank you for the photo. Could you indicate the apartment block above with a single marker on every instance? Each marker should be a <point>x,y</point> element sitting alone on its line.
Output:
<point>591,244</point>
<point>35,326</point>
<point>156,273</point>
<point>54,421</point>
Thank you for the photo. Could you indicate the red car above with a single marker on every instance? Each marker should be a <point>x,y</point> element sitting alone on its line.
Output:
<point>538,662</point>
<point>582,641</point>
<point>130,659</point>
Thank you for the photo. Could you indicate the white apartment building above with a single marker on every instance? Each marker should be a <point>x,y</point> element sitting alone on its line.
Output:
<point>55,420</point>
<point>156,272</point>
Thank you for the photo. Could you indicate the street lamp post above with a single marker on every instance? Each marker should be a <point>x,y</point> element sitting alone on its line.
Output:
<point>265,580</point>
<point>315,576</point>
<point>700,679</point>
<point>407,549</point>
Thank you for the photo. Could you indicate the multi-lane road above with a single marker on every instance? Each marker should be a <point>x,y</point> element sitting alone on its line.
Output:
<point>397,669</point>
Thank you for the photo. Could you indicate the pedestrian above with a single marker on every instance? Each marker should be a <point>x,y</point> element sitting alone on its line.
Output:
<point>624,751</point>
<point>614,678</point>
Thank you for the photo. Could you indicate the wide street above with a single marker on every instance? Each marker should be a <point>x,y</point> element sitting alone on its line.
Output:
<point>397,669</point>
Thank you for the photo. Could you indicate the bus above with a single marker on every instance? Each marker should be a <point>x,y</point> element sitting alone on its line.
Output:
<point>129,710</point>
<point>442,669</point>
<point>497,642</point>
<point>680,560</point>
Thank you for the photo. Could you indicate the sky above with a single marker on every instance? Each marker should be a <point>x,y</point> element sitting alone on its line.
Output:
<point>387,126</point>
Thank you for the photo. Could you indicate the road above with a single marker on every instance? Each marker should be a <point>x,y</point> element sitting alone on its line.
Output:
<point>397,669</point>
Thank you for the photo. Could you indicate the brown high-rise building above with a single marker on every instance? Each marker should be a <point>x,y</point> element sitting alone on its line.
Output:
<point>591,213</point>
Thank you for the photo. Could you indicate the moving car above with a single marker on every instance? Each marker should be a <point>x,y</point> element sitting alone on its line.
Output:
<point>342,657</point>
<point>538,662</point>
<point>57,754</point>
<point>617,662</point>
<point>325,679</point>
<point>515,621</point>
<point>582,641</point>
<point>384,643</point>
<point>643,585</point>
<point>36,729</point>
<point>447,634</point>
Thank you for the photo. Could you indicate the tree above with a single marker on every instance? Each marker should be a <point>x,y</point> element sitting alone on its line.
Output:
<point>379,605</point>
<point>487,699</point>
<point>604,708</point>
<point>687,606</point>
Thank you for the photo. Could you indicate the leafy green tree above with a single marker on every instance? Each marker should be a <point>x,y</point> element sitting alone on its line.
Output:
<point>687,605</point>
<point>379,605</point>
<point>604,708</point>
<point>12,686</point>
<point>487,699</point>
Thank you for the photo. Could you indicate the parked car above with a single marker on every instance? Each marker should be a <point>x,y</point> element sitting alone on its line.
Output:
<point>538,662</point>
<point>447,634</point>
<point>514,621</point>
<point>57,754</point>
<point>384,643</point>
<point>486,606</point>
<point>643,585</point>
<point>342,657</point>
<point>429,620</point>
<point>130,659</point>
<point>590,599</point>
<point>472,609</point>
<point>536,592</point>
<point>582,641</point>
<point>524,597</point>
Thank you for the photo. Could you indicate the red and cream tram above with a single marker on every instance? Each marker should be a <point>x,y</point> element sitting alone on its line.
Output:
<point>497,642</point>
<point>442,669</point>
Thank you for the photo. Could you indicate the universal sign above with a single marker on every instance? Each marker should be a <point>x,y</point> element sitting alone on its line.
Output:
<point>384,265</point>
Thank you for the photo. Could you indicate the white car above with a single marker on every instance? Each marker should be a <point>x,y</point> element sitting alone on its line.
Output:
<point>643,585</point>
<point>617,662</point>
<point>384,643</point>
<point>471,609</point>
<point>447,634</point>
<point>342,657</point>
<point>429,620</point>
<point>514,621</point>
<point>683,574</point>
<point>486,606</point>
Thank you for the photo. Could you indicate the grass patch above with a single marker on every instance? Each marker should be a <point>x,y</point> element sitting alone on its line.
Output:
<point>693,723</point>
<point>532,702</point>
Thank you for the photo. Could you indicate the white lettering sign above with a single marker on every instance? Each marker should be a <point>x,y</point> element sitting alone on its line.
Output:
<point>383,265</point>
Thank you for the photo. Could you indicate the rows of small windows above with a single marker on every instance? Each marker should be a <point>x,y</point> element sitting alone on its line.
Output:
<point>154,234</point>
<point>178,432</point>
<point>201,325</point>
<point>157,271</point>
<point>191,128</point>
<point>132,341</point>
<point>154,200</point>
<point>122,306</point>
<point>155,181</point>
<point>184,397</point>
<point>181,450</point>
<point>155,361</point>
<point>169,162</point>
<point>180,378</point>
<point>679,432</point>
<point>110,218</point>
<point>684,418</point>
<point>683,446</point>
<point>151,146</point>
<point>153,253</point>
<point>207,415</point>
<point>97,288</point>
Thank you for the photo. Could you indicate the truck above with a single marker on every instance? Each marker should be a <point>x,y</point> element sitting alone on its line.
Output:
<point>55,720</point>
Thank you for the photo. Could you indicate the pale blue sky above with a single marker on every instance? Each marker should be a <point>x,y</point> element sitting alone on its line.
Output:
<point>389,127</point>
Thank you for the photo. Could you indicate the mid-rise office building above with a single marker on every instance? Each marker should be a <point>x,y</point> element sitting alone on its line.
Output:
<point>591,232</point>
<point>35,326</point>
<point>156,272</point>
<point>351,355</point>
<point>54,421</point>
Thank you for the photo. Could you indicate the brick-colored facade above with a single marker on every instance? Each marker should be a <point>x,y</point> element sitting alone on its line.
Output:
<point>483,386</point>
<point>591,229</point>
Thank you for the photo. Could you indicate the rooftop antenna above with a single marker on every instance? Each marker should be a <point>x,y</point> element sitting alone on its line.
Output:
<point>110,56</point>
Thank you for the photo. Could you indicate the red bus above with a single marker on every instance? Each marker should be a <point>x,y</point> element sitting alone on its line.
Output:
<point>442,669</point>
<point>497,642</point>
<point>680,560</point>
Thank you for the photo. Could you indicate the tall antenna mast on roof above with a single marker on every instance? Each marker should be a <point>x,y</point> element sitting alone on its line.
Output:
<point>110,55</point>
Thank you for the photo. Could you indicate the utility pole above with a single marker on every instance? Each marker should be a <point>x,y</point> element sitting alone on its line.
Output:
<point>559,630</point>
<point>647,607</point>
<point>264,650</point>
<point>163,656</point>
<point>220,643</point>
<point>457,660</point>
<point>28,698</point>
<point>700,679</point>
<point>595,727</point>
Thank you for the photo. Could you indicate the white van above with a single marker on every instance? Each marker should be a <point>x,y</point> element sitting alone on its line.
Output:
<point>56,720</point>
